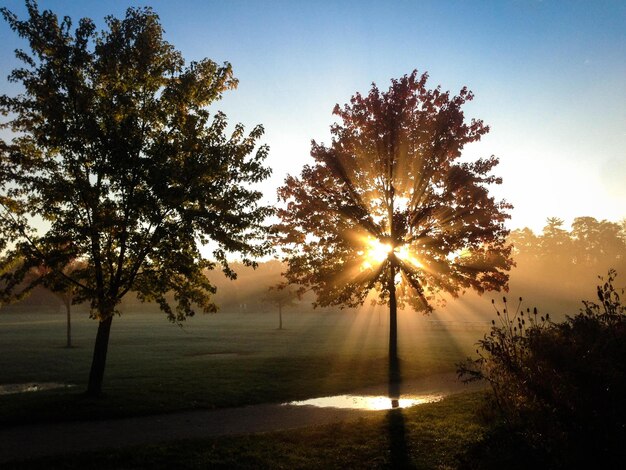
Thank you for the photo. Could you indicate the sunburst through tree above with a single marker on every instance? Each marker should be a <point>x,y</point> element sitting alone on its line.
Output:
<point>390,205</point>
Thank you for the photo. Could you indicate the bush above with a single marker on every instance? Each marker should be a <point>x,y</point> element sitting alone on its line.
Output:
<point>560,387</point>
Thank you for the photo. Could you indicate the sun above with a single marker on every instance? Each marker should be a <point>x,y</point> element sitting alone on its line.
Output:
<point>377,252</point>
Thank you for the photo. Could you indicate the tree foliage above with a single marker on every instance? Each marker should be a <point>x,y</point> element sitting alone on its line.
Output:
<point>117,162</point>
<point>391,195</point>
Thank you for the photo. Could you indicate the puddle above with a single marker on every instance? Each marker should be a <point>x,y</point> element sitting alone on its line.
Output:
<point>412,392</point>
<point>367,402</point>
<point>217,354</point>
<point>8,389</point>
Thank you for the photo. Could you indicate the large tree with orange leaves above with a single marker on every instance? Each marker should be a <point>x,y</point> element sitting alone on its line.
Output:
<point>390,205</point>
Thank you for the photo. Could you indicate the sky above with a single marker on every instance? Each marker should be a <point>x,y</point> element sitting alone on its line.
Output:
<point>549,77</point>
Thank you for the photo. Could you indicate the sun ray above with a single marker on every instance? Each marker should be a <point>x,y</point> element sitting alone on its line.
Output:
<point>404,253</point>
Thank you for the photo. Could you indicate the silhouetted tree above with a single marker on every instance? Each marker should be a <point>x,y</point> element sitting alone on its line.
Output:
<point>388,205</point>
<point>62,289</point>
<point>115,151</point>
<point>282,296</point>
<point>597,242</point>
<point>526,245</point>
<point>555,241</point>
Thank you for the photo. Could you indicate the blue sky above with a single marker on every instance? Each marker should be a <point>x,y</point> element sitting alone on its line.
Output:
<point>549,77</point>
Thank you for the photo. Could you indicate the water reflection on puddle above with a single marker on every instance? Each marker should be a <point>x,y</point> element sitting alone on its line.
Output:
<point>367,402</point>
<point>9,389</point>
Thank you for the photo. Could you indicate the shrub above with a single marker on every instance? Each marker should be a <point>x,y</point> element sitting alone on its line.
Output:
<point>561,387</point>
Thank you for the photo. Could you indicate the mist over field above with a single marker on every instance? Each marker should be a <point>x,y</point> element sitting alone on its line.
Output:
<point>312,235</point>
<point>554,272</point>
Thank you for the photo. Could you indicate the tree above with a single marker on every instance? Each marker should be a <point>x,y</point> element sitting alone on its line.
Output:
<point>597,242</point>
<point>60,287</point>
<point>282,296</point>
<point>525,245</point>
<point>117,163</point>
<point>389,205</point>
<point>555,241</point>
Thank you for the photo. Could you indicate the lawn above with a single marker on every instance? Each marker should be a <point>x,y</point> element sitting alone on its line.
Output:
<point>211,361</point>
<point>433,436</point>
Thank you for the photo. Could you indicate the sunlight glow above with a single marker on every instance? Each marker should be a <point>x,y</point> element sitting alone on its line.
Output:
<point>377,252</point>
<point>404,253</point>
<point>459,254</point>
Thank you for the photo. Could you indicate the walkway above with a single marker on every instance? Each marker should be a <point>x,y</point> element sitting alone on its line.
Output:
<point>63,438</point>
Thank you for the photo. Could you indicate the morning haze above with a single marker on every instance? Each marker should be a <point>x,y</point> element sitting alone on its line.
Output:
<point>384,235</point>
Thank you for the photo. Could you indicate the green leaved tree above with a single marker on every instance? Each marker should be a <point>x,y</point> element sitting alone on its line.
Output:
<point>117,163</point>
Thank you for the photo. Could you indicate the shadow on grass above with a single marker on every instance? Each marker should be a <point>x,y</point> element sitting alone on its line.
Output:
<point>398,448</point>
<point>396,427</point>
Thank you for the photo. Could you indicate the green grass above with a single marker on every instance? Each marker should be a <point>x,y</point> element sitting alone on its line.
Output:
<point>427,436</point>
<point>213,361</point>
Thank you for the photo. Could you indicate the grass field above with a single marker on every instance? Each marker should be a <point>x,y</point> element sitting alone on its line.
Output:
<point>433,436</point>
<point>212,361</point>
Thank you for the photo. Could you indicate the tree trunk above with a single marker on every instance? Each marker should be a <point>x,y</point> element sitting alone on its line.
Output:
<point>96,374</point>
<point>394,364</point>
<point>393,314</point>
<point>280,317</point>
<point>69,324</point>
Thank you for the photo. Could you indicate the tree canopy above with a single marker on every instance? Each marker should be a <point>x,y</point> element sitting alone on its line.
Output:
<point>390,206</point>
<point>390,201</point>
<point>117,162</point>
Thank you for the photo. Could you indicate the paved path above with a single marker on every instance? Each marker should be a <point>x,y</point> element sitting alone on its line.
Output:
<point>63,438</point>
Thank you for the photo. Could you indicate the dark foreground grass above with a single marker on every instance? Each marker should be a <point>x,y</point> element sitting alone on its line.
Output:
<point>213,361</point>
<point>432,436</point>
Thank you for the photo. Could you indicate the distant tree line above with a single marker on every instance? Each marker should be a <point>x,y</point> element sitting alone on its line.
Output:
<point>589,248</point>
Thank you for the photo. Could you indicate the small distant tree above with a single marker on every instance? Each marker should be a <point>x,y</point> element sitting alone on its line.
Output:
<point>390,206</point>
<point>116,161</point>
<point>282,296</point>
<point>62,289</point>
